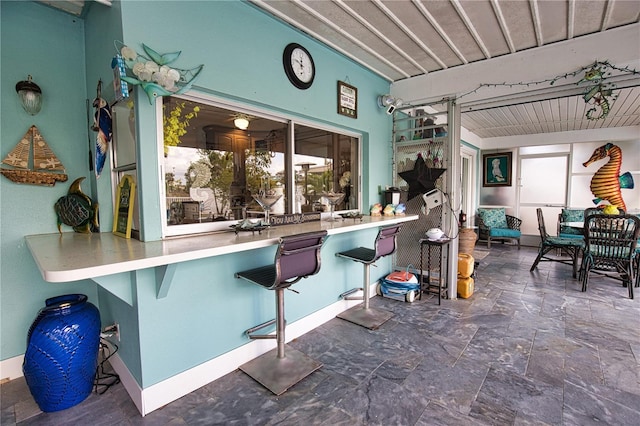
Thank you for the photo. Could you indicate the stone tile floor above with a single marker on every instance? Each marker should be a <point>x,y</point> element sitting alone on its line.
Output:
<point>526,348</point>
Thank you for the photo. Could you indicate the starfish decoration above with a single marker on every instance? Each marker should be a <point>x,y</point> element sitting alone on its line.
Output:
<point>421,179</point>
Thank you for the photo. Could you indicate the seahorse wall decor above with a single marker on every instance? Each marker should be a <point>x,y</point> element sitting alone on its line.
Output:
<point>606,183</point>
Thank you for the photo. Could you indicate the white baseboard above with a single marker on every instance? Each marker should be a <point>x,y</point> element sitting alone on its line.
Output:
<point>175,387</point>
<point>11,368</point>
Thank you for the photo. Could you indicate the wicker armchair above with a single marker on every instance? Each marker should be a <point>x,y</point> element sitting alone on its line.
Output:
<point>495,224</point>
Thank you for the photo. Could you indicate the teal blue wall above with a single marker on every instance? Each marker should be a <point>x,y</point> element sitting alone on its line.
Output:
<point>241,49</point>
<point>206,309</point>
<point>49,45</point>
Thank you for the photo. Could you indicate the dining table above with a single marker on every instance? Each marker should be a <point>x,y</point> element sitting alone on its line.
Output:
<point>576,225</point>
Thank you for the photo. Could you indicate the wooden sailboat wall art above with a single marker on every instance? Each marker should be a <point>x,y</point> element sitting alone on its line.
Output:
<point>45,168</point>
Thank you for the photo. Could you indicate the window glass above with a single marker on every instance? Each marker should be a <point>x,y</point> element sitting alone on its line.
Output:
<point>216,172</point>
<point>124,133</point>
<point>325,162</point>
<point>123,150</point>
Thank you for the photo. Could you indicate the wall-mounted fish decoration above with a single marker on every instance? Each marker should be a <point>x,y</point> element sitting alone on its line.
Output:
<point>102,123</point>
<point>606,183</point>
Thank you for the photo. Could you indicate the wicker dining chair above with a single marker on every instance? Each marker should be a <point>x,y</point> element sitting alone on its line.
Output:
<point>610,248</point>
<point>571,247</point>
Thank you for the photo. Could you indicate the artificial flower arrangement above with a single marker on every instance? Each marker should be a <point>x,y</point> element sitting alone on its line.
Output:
<point>175,125</point>
<point>153,73</point>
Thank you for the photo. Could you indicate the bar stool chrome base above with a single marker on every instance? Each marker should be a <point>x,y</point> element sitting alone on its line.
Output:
<point>370,318</point>
<point>297,257</point>
<point>279,374</point>
<point>364,315</point>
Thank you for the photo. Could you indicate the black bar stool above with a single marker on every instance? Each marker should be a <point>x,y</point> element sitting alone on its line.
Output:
<point>297,257</point>
<point>385,245</point>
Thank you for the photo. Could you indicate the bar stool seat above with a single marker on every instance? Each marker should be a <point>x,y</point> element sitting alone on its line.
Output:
<point>297,257</point>
<point>364,315</point>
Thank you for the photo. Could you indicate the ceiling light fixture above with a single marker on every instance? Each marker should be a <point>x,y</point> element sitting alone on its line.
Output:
<point>241,122</point>
<point>30,96</point>
<point>389,102</point>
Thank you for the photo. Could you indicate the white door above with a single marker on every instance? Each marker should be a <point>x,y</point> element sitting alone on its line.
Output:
<point>467,183</point>
<point>543,184</point>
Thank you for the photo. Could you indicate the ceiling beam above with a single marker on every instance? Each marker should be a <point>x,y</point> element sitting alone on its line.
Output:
<point>409,33</point>
<point>472,29</point>
<point>620,46</point>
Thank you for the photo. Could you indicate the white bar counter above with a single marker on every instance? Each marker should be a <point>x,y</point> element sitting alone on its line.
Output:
<point>73,256</point>
<point>153,368</point>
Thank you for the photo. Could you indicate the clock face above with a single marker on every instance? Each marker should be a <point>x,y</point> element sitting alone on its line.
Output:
<point>298,65</point>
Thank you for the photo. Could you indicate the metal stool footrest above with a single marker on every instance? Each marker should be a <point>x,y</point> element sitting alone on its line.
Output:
<point>252,330</point>
<point>346,295</point>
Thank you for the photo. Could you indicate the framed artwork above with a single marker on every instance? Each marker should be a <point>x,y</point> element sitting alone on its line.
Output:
<point>496,169</point>
<point>347,100</point>
<point>123,216</point>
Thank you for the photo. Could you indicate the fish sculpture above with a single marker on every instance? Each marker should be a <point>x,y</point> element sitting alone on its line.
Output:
<point>606,183</point>
<point>102,123</point>
<point>376,209</point>
<point>388,210</point>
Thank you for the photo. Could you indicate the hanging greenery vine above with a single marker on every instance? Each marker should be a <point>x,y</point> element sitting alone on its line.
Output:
<point>598,93</point>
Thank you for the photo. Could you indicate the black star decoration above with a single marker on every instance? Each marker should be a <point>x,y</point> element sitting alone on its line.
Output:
<point>421,179</point>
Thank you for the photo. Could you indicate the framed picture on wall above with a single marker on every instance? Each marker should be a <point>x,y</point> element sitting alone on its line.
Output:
<point>496,169</point>
<point>347,100</point>
<point>123,216</point>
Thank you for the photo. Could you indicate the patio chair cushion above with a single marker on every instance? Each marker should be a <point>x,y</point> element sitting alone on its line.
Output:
<point>502,232</point>
<point>571,215</point>
<point>494,218</point>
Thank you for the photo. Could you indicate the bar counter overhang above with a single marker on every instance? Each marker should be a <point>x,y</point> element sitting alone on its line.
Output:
<point>149,278</point>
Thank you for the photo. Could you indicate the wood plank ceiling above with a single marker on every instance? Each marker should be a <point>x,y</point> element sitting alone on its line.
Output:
<point>401,39</point>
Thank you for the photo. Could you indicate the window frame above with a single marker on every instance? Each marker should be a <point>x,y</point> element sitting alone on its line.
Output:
<point>290,122</point>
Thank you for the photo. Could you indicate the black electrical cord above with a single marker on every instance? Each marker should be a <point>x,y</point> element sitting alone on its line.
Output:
<point>104,380</point>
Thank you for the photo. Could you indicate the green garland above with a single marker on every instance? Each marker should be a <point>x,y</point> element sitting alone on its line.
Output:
<point>599,94</point>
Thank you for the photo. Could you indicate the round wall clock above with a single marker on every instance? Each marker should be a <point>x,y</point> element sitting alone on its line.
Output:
<point>298,65</point>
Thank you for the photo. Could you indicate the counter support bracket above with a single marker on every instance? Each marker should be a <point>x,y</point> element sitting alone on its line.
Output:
<point>164,277</point>
<point>117,284</point>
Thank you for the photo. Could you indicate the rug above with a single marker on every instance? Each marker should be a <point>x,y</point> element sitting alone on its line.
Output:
<point>478,255</point>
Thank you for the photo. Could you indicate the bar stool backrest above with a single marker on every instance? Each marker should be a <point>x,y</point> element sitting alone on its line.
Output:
<point>386,240</point>
<point>298,256</point>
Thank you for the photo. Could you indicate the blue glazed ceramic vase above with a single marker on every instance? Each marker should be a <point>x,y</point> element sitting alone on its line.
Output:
<point>62,352</point>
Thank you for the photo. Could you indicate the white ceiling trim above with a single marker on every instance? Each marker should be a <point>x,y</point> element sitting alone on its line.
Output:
<point>409,33</point>
<point>607,15</point>
<point>503,25</point>
<point>535,14</point>
<point>472,29</point>
<point>275,12</point>
<point>429,17</point>
<point>379,33</point>
<point>571,16</point>
<point>536,64</point>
